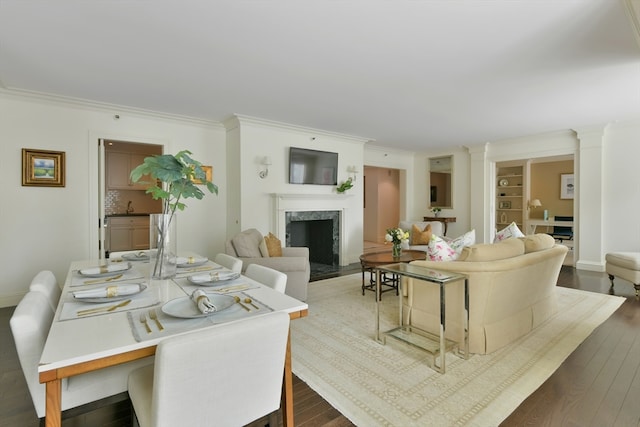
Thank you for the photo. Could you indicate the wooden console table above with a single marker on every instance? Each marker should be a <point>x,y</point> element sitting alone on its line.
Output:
<point>443,219</point>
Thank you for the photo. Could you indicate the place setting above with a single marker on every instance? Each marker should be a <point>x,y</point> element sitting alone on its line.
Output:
<point>112,272</point>
<point>194,264</point>
<point>109,299</point>
<point>199,309</point>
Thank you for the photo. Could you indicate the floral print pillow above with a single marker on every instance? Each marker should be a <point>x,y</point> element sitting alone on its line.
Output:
<point>439,250</point>
<point>467,239</point>
<point>510,231</point>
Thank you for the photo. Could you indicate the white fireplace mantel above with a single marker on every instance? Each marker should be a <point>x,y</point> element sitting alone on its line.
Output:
<point>296,202</point>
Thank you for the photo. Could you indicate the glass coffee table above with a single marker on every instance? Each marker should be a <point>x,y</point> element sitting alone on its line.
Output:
<point>370,261</point>
<point>436,345</point>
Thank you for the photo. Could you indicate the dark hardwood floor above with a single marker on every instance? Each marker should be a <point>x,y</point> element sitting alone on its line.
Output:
<point>598,385</point>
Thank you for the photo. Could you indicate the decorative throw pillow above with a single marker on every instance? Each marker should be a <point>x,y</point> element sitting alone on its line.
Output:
<point>467,239</point>
<point>420,237</point>
<point>439,250</point>
<point>246,245</point>
<point>274,246</point>
<point>508,232</point>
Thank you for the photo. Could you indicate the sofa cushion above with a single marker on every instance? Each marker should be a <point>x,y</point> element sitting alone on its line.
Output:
<point>467,239</point>
<point>274,245</point>
<point>420,236</point>
<point>508,232</point>
<point>537,242</point>
<point>247,243</point>
<point>492,251</point>
<point>439,250</point>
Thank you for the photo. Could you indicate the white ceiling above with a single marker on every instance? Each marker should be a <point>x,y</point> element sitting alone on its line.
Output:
<point>409,74</point>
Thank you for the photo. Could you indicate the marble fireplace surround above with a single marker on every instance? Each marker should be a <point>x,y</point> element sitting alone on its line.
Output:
<point>288,202</point>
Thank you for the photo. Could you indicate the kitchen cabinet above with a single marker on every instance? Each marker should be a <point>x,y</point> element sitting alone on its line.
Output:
<point>128,233</point>
<point>119,166</point>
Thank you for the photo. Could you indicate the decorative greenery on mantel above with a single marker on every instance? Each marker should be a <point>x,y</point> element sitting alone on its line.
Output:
<point>346,185</point>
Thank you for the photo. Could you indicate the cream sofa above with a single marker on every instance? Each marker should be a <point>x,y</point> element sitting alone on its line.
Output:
<point>250,247</point>
<point>511,291</point>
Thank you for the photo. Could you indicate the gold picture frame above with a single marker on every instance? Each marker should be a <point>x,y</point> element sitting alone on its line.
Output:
<point>43,168</point>
<point>208,171</point>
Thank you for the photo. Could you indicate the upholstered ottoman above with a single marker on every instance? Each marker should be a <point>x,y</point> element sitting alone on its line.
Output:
<point>625,265</point>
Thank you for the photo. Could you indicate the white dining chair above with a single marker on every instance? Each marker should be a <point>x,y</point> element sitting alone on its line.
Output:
<point>30,324</point>
<point>267,276</point>
<point>227,261</point>
<point>46,283</point>
<point>212,376</point>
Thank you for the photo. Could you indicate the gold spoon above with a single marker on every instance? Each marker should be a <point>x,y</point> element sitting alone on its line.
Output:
<point>238,301</point>
<point>249,301</point>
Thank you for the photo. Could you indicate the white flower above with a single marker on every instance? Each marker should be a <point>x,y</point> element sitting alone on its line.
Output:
<point>388,238</point>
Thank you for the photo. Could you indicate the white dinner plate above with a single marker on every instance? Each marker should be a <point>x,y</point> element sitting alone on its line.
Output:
<point>185,308</point>
<point>84,272</point>
<point>184,262</point>
<point>197,279</point>
<point>107,299</point>
<point>137,256</point>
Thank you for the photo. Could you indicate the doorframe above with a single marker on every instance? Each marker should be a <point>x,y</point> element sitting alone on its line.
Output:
<point>96,184</point>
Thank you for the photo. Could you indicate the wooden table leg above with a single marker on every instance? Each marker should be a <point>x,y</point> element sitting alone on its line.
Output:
<point>53,403</point>
<point>287,388</point>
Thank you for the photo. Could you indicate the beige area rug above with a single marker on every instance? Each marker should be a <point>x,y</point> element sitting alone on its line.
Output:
<point>334,351</point>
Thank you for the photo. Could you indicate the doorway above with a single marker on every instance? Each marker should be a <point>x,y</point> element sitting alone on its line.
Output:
<point>382,204</point>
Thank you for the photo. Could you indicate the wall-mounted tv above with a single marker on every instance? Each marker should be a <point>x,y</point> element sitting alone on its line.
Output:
<point>312,167</point>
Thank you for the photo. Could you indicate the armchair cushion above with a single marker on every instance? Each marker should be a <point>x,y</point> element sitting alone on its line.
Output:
<point>274,246</point>
<point>420,236</point>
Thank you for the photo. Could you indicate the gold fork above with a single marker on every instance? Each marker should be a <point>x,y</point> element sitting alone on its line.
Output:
<point>143,319</point>
<point>154,316</point>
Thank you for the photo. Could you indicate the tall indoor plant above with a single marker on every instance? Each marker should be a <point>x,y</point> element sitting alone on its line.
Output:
<point>173,178</point>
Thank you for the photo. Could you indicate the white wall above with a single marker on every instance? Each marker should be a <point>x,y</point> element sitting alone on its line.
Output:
<point>47,228</point>
<point>259,138</point>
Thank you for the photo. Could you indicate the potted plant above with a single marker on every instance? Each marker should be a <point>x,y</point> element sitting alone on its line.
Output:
<point>435,211</point>
<point>173,179</point>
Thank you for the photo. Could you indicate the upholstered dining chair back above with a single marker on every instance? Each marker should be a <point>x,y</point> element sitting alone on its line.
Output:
<point>213,376</point>
<point>267,276</point>
<point>46,283</point>
<point>30,325</point>
<point>227,261</point>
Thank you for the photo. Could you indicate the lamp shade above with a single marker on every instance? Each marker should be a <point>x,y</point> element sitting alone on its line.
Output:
<point>535,203</point>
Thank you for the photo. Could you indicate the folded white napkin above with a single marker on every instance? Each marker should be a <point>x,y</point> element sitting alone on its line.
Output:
<point>109,268</point>
<point>185,261</point>
<point>214,276</point>
<point>202,301</point>
<point>110,291</point>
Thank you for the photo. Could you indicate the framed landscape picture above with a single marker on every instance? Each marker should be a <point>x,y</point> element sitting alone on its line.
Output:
<point>43,168</point>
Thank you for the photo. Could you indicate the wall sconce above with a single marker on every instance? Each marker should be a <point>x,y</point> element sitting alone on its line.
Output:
<point>535,203</point>
<point>353,171</point>
<point>266,162</point>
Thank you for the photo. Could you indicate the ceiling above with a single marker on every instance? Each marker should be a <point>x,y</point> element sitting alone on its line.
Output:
<point>414,75</point>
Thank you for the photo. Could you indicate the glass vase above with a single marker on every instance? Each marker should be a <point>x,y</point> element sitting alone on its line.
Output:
<point>163,246</point>
<point>396,250</point>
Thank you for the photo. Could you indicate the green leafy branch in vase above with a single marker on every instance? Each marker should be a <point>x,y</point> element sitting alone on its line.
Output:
<point>172,178</point>
<point>346,185</point>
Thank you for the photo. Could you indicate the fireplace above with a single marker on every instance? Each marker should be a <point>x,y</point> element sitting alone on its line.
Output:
<point>317,230</point>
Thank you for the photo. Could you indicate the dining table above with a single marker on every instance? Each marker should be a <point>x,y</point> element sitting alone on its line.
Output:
<point>85,337</point>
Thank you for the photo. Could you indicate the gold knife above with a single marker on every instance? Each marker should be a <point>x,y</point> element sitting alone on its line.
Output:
<point>101,309</point>
<point>102,280</point>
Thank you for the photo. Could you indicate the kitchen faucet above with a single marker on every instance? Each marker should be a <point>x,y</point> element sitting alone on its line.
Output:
<point>129,207</point>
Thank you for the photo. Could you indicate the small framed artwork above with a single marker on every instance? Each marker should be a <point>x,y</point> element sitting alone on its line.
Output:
<point>504,205</point>
<point>43,168</point>
<point>567,188</point>
<point>208,172</point>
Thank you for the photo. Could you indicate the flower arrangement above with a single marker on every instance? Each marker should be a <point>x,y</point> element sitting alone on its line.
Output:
<point>396,236</point>
<point>346,185</point>
<point>435,210</point>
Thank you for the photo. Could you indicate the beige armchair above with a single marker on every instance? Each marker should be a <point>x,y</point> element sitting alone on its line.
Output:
<point>251,248</point>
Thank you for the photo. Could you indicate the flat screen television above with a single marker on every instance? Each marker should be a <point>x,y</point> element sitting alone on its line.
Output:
<point>312,167</point>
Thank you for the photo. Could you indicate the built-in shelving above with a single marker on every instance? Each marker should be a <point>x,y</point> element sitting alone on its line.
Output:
<point>510,194</point>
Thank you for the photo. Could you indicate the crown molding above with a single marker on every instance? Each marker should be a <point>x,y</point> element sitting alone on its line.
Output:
<point>632,8</point>
<point>103,107</point>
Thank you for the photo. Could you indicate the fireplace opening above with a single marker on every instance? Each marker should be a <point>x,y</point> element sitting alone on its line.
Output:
<point>317,235</point>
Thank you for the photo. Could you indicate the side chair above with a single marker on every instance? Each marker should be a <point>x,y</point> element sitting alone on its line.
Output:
<point>227,261</point>
<point>267,276</point>
<point>213,376</point>
<point>46,283</point>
